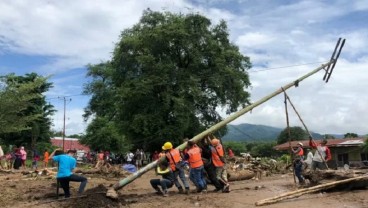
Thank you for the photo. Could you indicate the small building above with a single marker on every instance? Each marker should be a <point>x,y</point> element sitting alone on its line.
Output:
<point>70,143</point>
<point>343,151</point>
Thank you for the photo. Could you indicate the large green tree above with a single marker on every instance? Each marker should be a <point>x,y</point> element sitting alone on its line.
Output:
<point>351,135</point>
<point>168,76</point>
<point>14,100</point>
<point>296,134</point>
<point>102,134</point>
<point>31,86</point>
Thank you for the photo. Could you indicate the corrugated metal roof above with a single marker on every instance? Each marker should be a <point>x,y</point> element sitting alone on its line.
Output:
<point>330,143</point>
<point>70,143</point>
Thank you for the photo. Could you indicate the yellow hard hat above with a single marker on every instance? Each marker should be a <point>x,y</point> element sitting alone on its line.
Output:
<point>167,146</point>
<point>215,142</point>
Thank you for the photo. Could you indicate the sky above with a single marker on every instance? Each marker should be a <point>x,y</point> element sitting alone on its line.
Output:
<point>284,39</point>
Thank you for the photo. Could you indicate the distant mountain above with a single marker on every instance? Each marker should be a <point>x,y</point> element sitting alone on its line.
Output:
<point>253,132</point>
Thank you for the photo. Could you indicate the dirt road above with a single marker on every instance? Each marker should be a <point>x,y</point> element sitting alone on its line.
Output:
<point>17,191</point>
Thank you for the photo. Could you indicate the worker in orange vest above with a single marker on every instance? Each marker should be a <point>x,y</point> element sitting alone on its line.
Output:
<point>219,162</point>
<point>196,173</point>
<point>176,166</point>
<point>298,162</point>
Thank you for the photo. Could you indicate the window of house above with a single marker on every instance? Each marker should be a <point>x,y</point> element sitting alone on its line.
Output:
<point>343,158</point>
<point>364,157</point>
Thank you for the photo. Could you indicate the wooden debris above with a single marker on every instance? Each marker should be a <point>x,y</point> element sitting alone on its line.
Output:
<point>318,176</point>
<point>300,192</point>
<point>240,175</point>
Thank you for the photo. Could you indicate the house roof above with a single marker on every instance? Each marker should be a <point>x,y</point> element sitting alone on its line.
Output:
<point>330,143</point>
<point>70,143</point>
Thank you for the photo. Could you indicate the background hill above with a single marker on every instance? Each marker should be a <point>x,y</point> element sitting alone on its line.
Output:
<point>253,132</point>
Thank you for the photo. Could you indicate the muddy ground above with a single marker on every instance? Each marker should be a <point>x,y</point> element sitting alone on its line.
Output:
<point>20,191</point>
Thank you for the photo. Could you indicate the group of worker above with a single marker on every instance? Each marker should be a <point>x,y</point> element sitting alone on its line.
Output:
<point>319,160</point>
<point>205,159</point>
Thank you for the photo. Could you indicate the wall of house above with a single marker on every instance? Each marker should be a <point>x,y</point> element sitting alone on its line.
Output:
<point>353,154</point>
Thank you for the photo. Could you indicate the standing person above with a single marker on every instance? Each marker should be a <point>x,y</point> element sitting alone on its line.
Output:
<point>129,158</point>
<point>321,150</point>
<point>36,158</point>
<point>299,151</point>
<point>46,159</point>
<point>23,156</point>
<point>298,162</point>
<point>2,157</point>
<point>9,160</point>
<point>167,180</point>
<point>67,164</point>
<point>138,159</point>
<point>17,158</point>
<point>155,156</point>
<point>219,162</point>
<point>309,159</point>
<point>100,159</point>
<point>209,167</point>
<point>230,152</point>
<point>175,161</point>
<point>196,167</point>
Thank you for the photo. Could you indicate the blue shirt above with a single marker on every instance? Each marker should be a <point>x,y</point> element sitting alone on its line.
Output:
<point>66,165</point>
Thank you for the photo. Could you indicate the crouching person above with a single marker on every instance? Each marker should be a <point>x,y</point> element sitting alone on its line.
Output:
<point>67,164</point>
<point>167,180</point>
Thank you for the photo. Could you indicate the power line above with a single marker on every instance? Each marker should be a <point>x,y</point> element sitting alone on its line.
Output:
<point>53,98</point>
<point>281,67</point>
<point>209,76</point>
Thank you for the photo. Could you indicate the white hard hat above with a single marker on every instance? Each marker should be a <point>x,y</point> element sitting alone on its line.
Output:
<point>301,144</point>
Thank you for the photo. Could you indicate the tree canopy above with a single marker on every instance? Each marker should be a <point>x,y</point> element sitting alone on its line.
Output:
<point>351,135</point>
<point>24,113</point>
<point>167,78</point>
<point>296,134</point>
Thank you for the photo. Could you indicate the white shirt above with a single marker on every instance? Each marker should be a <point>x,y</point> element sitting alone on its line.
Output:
<point>317,156</point>
<point>129,156</point>
<point>309,158</point>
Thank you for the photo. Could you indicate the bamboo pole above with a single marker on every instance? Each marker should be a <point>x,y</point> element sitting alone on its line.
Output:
<point>300,192</point>
<point>306,128</point>
<point>289,135</point>
<point>132,177</point>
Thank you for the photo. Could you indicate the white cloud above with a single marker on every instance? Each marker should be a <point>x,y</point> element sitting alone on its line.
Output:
<point>272,33</point>
<point>74,123</point>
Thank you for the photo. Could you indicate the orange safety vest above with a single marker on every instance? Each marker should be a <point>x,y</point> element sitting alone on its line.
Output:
<point>195,158</point>
<point>174,158</point>
<point>217,152</point>
<point>301,152</point>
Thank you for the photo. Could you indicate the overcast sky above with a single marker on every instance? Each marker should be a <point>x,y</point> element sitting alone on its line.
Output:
<point>60,38</point>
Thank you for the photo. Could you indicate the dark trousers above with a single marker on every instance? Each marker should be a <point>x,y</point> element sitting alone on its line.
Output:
<point>164,183</point>
<point>211,174</point>
<point>298,167</point>
<point>64,183</point>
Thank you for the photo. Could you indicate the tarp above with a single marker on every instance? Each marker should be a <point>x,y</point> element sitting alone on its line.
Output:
<point>130,168</point>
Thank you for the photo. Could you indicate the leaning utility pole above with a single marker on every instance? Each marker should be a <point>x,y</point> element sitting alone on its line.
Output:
<point>328,67</point>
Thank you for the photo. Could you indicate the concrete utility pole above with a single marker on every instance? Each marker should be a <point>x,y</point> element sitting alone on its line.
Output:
<point>64,99</point>
<point>328,67</point>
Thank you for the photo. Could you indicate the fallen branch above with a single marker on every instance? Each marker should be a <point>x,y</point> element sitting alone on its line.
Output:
<point>294,194</point>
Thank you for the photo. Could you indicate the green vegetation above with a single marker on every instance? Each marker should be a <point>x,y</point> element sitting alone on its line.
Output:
<point>351,135</point>
<point>256,149</point>
<point>24,113</point>
<point>296,134</point>
<point>167,76</point>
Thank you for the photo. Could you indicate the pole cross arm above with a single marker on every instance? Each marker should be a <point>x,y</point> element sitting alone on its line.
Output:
<point>334,57</point>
